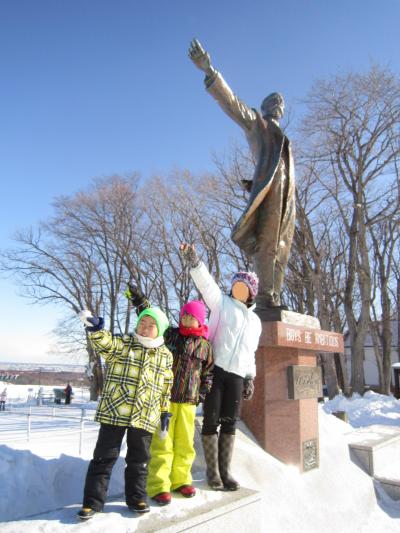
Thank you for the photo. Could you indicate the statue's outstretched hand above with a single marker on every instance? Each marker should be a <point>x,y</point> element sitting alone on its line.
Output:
<point>200,57</point>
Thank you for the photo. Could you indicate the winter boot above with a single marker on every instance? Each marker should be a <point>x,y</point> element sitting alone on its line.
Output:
<point>86,513</point>
<point>139,506</point>
<point>225,451</point>
<point>210,447</point>
<point>163,498</point>
<point>188,491</point>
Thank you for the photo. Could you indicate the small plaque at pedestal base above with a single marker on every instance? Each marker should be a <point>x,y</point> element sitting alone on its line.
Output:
<point>310,455</point>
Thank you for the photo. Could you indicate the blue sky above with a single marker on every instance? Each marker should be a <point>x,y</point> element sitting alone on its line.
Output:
<point>92,88</point>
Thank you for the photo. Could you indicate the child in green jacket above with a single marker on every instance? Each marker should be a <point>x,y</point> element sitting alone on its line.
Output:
<point>172,457</point>
<point>135,397</point>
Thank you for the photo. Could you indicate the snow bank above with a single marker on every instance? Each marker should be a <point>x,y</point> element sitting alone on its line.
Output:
<point>372,408</point>
<point>32,485</point>
<point>339,493</point>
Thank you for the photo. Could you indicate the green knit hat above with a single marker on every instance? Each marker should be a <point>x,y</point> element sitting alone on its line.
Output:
<point>159,316</point>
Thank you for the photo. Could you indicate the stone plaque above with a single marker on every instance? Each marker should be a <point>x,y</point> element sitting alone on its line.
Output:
<point>290,335</point>
<point>310,455</point>
<point>304,382</point>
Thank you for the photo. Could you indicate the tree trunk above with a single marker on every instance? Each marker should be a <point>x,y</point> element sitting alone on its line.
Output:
<point>398,318</point>
<point>386,353</point>
<point>341,372</point>
<point>378,355</point>
<point>327,359</point>
<point>357,365</point>
<point>96,382</point>
<point>330,374</point>
<point>96,385</point>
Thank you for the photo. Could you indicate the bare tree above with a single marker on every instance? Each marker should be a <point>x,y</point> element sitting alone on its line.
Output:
<point>76,258</point>
<point>314,283</point>
<point>353,141</point>
<point>385,236</point>
<point>182,210</point>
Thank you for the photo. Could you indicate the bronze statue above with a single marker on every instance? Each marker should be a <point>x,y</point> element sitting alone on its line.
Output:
<point>265,229</point>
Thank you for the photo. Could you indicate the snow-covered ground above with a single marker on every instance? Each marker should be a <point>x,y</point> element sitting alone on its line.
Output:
<point>47,473</point>
<point>372,408</point>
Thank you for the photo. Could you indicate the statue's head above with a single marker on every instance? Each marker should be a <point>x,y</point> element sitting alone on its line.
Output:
<point>273,106</point>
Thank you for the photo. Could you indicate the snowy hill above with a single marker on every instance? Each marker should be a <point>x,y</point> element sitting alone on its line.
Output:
<point>339,497</point>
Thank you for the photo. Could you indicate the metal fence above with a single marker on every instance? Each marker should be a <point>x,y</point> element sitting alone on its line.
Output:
<point>78,422</point>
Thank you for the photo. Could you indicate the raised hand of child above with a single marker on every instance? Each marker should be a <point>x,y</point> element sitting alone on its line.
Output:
<point>189,255</point>
<point>136,297</point>
<point>92,322</point>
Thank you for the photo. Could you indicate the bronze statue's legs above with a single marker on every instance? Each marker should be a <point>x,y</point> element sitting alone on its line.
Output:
<point>274,241</point>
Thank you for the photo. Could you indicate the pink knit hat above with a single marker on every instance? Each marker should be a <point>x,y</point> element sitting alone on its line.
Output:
<point>250,279</point>
<point>195,308</point>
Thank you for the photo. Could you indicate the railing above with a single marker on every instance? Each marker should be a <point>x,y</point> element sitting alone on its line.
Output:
<point>29,414</point>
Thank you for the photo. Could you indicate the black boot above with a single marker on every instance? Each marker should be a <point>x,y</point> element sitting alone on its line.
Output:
<point>86,513</point>
<point>210,447</point>
<point>225,450</point>
<point>140,507</point>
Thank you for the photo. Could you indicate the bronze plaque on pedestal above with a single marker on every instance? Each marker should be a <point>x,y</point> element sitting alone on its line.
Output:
<point>304,382</point>
<point>310,455</point>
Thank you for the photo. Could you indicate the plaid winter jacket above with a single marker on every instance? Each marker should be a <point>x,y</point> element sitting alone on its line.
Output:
<point>192,366</point>
<point>137,384</point>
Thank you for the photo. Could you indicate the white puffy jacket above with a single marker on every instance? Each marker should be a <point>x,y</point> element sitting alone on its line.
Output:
<point>234,328</point>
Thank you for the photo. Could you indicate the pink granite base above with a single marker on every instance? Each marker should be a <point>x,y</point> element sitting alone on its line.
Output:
<point>280,425</point>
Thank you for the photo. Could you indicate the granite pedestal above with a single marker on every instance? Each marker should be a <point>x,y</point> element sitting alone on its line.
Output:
<point>283,412</point>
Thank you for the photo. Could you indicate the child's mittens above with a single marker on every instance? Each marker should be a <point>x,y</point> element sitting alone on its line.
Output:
<point>248,388</point>
<point>136,297</point>
<point>204,390</point>
<point>92,322</point>
<point>189,255</point>
<point>164,425</point>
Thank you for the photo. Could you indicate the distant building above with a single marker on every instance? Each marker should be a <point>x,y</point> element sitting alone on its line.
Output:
<point>43,374</point>
<point>370,366</point>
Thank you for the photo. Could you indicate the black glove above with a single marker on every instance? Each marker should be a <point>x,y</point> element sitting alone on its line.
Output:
<point>203,393</point>
<point>164,425</point>
<point>92,322</point>
<point>97,324</point>
<point>189,255</point>
<point>137,298</point>
<point>248,388</point>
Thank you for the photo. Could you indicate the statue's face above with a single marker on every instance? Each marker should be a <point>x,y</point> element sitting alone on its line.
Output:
<point>273,106</point>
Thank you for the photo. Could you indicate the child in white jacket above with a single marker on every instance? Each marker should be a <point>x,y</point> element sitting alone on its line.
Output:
<point>234,331</point>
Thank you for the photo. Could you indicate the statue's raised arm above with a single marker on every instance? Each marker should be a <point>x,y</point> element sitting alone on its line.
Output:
<point>219,89</point>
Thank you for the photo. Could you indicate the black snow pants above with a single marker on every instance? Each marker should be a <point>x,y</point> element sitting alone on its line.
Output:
<point>222,404</point>
<point>106,454</point>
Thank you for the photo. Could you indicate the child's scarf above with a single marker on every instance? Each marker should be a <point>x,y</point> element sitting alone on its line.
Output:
<point>201,331</point>
<point>147,342</point>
